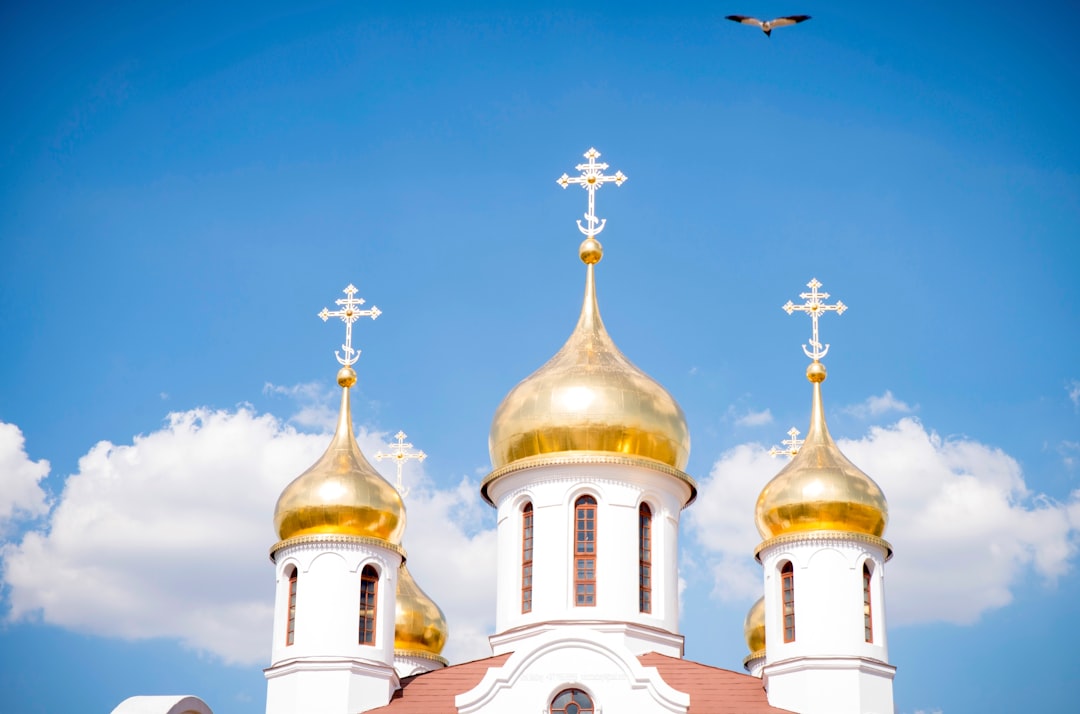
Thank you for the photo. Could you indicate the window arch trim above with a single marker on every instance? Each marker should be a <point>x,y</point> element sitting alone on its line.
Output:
<point>787,600</point>
<point>868,598</point>
<point>645,552</point>
<point>293,574</point>
<point>584,545</point>
<point>527,529</point>
<point>369,603</point>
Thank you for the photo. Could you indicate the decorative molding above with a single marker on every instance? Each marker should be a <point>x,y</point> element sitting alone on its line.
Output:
<point>576,458</point>
<point>419,654</point>
<point>825,538</point>
<point>325,539</point>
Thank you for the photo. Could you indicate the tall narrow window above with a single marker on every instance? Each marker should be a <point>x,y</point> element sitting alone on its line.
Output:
<point>585,551</point>
<point>369,592</point>
<point>290,617</point>
<point>645,558</point>
<point>787,580</point>
<point>572,701</point>
<point>868,617</point>
<point>526,557</point>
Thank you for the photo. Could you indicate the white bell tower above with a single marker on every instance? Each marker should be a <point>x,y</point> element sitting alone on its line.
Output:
<point>823,558</point>
<point>340,526</point>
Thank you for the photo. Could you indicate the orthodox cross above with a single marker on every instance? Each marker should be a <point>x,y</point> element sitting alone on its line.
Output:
<point>399,454</point>
<point>814,307</point>
<point>349,314</point>
<point>592,177</point>
<point>792,445</point>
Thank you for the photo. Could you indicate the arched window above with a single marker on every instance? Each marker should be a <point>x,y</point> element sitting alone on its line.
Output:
<point>572,701</point>
<point>645,558</point>
<point>369,593</point>
<point>585,551</point>
<point>868,616</point>
<point>290,610</point>
<point>787,587</point>
<point>526,557</point>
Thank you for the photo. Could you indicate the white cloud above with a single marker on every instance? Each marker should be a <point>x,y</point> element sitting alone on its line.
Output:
<point>752,418</point>
<point>876,406</point>
<point>1073,390</point>
<point>20,493</point>
<point>168,537</point>
<point>454,564</point>
<point>316,403</point>
<point>1070,453</point>
<point>962,522</point>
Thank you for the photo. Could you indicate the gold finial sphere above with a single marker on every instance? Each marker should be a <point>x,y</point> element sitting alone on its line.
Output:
<point>346,377</point>
<point>816,372</point>
<point>591,251</point>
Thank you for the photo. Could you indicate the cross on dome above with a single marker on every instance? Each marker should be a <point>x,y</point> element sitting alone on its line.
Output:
<point>399,453</point>
<point>792,445</point>
<point>814,307</point>
<point>592,177</point>
<point>349,314</point>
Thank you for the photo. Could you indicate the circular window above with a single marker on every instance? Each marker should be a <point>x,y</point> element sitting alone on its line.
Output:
<point>572,701</point>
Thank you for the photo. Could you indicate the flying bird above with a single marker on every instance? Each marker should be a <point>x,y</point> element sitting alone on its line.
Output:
<point>768,25</point>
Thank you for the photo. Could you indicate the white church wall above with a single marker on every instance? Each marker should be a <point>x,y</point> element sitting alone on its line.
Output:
<point>619,490</point>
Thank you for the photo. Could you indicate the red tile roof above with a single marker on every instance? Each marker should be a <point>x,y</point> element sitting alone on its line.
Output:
<point>712,690</point>
<point>433,692</point>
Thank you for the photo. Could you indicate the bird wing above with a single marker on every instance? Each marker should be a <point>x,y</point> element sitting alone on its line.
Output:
<point>744,20</point>
<point>789,20</point>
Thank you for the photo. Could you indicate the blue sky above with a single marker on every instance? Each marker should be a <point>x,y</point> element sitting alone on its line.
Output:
<point>183,189</point>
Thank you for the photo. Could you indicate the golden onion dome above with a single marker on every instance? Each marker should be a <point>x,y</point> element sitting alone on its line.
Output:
<point>341,494</point>
<point>754,627</point>
<point>819,489</point>
<point>589,397</point>
<point>419,624</point>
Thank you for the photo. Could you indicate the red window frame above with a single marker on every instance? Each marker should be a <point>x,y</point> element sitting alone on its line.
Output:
<point>585,552</point>
<point>645,558</point>
<point>526,557</point>
<point>787,590</point>
<point>369,595</point>
<point>868,616</point>
<point>290,609</point>
<point>572,701</point>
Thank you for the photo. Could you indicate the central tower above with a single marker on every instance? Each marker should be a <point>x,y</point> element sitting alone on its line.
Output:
<point>588,453</point>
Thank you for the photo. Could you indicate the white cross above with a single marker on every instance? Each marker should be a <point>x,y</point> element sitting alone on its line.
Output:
<point>792,445</point>
<point>814,307</point>
<point>349,314</point>
<point>592,177</point>
<point>399,454</point>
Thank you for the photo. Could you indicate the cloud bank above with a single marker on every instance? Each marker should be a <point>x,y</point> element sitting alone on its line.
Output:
<point>21,496</point>
<point>964,526</point>
<point>180,522</point>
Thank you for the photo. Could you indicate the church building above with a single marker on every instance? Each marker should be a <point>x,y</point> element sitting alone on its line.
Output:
<point>588,483</point>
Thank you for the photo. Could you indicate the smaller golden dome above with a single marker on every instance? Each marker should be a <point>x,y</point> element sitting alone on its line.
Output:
<point>419,624</point>
<point>820,490</point>
<point>754,627</point>
<point>341,494</point>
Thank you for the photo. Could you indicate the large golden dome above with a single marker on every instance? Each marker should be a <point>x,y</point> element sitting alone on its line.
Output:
<point>754,627</point>
<point>589,398</point>
<point>820,490</point>
<point>342,494</point>
<point>419,624</point>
